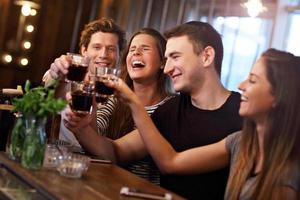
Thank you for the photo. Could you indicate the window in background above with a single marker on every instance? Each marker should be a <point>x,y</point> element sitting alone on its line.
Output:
<point>293,40</point>
<point>244,39</point>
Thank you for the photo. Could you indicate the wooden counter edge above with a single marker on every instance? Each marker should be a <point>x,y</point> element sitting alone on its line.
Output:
<point>6,107</point>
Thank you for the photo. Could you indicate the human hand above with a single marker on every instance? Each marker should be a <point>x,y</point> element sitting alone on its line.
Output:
<point>59,68</point>
<point>75,122</point>
<point>122,91</point>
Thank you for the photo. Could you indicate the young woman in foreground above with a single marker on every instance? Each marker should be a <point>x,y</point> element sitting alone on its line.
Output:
<point>264,156</point>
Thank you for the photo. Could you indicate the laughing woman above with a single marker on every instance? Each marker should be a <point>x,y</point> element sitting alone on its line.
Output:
<point>142,69</point>
<point>264,156</point>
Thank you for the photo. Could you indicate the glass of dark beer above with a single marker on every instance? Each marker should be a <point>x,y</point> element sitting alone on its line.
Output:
<point>78,68</point>
<point>103,92</point>
<point>82,97</point>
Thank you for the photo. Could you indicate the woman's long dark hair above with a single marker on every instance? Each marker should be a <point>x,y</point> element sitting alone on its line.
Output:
<point>121,121</point>
<point>282,138</point>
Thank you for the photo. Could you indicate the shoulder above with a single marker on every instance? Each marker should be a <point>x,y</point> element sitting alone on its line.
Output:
<point>234,99</point>
<point>152,108</point>
<point>235,95</point>
<point>290,177</point>
<point>169,106</point>
<point>231,108</point>
<point>159,103</point>
<point>232,142</point>
<point>172,101</point>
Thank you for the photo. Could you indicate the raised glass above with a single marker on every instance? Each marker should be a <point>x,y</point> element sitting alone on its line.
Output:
<point>78,68</point>
<point>102,91</point>
<point>82,97</point>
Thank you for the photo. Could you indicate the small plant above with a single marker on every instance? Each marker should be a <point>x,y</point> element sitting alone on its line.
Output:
<point>39,101</point>
<point>35,106</point>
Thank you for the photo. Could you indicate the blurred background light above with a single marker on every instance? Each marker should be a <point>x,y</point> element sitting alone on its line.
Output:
<point>33,12</point>
<point>24,61</point>
<point>29,28</point>
<point>7,58</point>
<point>26,9</point>
<point>27,44</point>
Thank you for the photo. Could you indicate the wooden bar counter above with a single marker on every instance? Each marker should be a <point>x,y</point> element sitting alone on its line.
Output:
<point>101,181</point>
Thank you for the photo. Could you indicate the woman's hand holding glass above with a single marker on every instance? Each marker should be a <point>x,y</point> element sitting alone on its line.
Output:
<point>122,91</point>
<point>102,91</point>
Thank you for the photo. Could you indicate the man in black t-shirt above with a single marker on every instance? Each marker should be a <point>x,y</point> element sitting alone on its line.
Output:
<point>204,112</point>
<point>188,126</point>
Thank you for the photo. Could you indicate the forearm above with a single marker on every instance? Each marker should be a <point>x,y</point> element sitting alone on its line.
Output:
<point>95,143</point>
<point>62,88</point>
<point>161,151</point>
<point>202,159</point>
<point>93,122</point>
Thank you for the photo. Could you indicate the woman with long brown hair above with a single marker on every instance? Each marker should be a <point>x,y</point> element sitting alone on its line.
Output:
<point>264,156</point>
<point>137,76</point>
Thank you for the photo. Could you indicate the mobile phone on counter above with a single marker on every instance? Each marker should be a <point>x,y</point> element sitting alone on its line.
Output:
<point>144,194</point>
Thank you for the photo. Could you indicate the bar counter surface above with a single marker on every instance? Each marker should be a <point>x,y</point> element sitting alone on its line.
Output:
<point>101,181</point>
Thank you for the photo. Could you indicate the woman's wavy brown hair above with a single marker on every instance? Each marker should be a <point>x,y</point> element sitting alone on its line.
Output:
<point>121,121</point>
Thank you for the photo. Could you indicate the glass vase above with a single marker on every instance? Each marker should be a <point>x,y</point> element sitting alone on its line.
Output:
<point>34,143</point>
<point>16,141</point>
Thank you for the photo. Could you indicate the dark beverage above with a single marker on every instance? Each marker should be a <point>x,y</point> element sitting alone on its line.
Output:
<point>101,88</point>
<point>77,72</point>
<point>81,101</point>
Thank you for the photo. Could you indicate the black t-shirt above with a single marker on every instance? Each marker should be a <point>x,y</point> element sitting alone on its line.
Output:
<point>186,126</point>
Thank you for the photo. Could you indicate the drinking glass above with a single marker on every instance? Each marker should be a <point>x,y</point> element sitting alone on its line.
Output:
<point>73,165</point>
<point>78,68</point>
<point>82,97</point>
<point>102,91</point>
<point>53,154</point>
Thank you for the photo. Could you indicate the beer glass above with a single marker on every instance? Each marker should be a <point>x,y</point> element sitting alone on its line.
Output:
<point>102,91</point>
<point>82,97</point>
<point>78,68</point>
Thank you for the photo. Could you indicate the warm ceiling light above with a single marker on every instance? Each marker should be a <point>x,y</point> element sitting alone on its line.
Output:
<point>30,3</point>
<point>26,9</point>
<point>27,45</point>
<point>33,12</point>
<point>254,7</point>
<point>24,61</point>
<point>29,28</point>
<point>7,58</point>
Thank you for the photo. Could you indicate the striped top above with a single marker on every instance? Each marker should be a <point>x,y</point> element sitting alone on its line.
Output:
<point>144,168</point>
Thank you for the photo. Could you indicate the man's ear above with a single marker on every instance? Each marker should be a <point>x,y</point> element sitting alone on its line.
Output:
<point>83,50</point>
<point>208,56</point>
